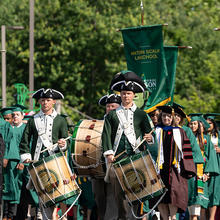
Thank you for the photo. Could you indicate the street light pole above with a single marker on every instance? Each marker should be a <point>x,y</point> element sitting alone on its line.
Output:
<point>3,51</point>
<point>31,47</point>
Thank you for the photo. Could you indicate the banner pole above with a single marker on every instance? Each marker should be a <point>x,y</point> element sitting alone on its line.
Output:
<point>184,47</point>
<point>216,29</point>
<point>142,13</point>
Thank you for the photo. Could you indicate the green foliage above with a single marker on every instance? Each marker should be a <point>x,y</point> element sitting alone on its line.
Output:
<point>77,47</point>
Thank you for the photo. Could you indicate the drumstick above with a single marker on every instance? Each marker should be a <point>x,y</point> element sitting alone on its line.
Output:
<point>106,179</point>
<point>54,145</point>
<point>143,141</point>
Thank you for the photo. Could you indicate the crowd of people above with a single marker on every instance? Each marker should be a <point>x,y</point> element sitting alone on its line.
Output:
<point>184,148</point>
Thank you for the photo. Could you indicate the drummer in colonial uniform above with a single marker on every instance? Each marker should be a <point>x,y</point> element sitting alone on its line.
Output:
<point>44,129</point>
<point>124,128</point>
<point>111,101</point>
<point>100,188</point>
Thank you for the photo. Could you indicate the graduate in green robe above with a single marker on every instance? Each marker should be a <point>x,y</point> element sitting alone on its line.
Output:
<point>124,128</point>
<point>45,129</point>
<point>214,181</point>
<point>24,195</point>
<point>210,167</point>
<point>7,114</point>
<point>14,169</point>
<point>2,150</point>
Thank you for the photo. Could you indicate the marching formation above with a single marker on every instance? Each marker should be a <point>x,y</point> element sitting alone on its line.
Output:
<point>129,165</point>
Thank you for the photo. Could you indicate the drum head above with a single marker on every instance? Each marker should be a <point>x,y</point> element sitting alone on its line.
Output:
<point>53,179</point>
<point>86,148</point>
<point>138,177</point>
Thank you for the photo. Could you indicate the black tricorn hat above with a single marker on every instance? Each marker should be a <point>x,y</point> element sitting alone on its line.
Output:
<point>127,80</point>
<point>47,93</point>
<point>112,98</point>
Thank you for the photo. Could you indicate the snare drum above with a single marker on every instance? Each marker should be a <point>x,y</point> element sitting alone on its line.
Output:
<point>86,148</point>
<point>53,179</point>
<point>138,177</point>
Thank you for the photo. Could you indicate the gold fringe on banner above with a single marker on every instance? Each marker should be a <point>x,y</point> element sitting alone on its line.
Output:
<point>164,102</point>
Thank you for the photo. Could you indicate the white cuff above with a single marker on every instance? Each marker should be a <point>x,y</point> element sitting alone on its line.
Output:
<point>108,152</point>
<point>64,148</point>
<point>151,142</point>
<point>25,157</point>
<point>56,148</point>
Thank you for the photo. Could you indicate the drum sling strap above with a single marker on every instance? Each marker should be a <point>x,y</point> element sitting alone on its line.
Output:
<point>127,127</point>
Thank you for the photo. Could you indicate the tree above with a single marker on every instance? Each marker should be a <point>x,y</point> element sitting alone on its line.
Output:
<point>77,47</point>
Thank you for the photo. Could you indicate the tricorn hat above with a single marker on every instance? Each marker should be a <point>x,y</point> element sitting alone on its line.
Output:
<point>111,98</point>
<point>47,93</point>
<point>129,81</point>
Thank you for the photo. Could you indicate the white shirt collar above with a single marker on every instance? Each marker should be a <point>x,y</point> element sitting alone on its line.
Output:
<point>132,108</point>
<point>18,125</point>
<point>53,115</point>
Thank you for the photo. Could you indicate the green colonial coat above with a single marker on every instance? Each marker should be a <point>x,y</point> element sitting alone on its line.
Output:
<point>59,130</point>
<point>141,126</point>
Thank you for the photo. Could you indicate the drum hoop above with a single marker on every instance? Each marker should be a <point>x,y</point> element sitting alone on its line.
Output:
<point>84,167</point>
<point>134,157</point>
<point>62,197</point>
<point>46,159</point>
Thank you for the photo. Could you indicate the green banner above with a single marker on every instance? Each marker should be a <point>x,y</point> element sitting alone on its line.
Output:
<point>145,56</point>
<point>171,54</point>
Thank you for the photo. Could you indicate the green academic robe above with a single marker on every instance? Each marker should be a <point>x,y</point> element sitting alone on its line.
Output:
<point>12,182</point>
<point>9,183</point>
<point>214,183</point>
<point>7,133</point>
<point>198,159</point>
<point>196,152</point>
<point>209,167</point>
